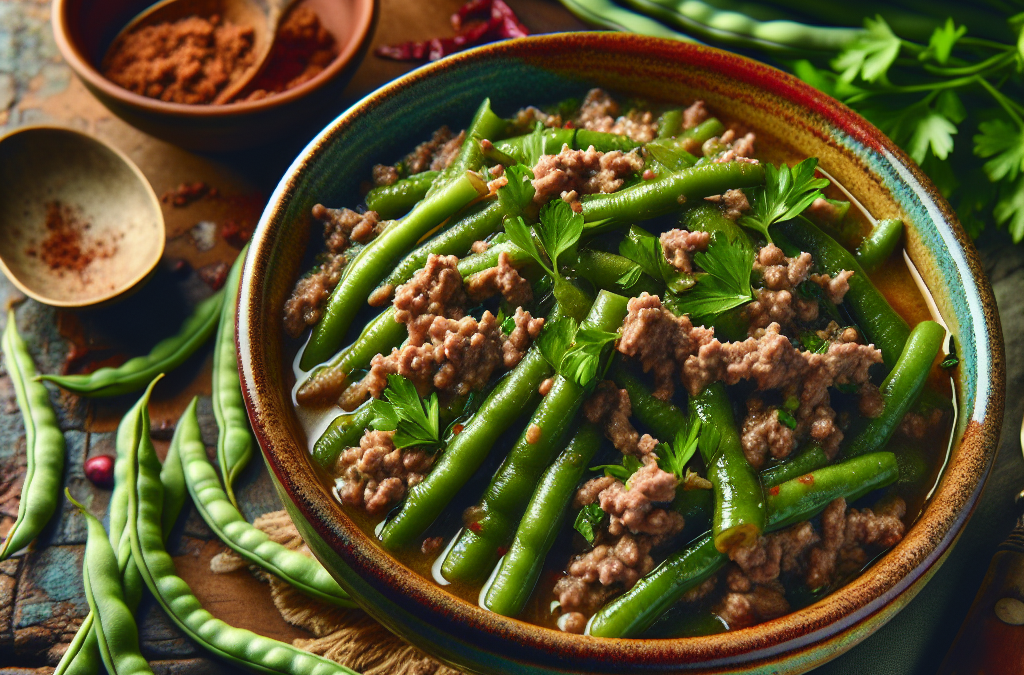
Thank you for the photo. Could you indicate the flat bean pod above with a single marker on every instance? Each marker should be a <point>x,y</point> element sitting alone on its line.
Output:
<point>174,596</point>
<point>301,571</point>
<point>793,501</point>
<point>44,444</point>
<point>476,550</point>
<point>167,355</point>
<point>392,201</point>
<point>521,566</point>
<point>739,516</point>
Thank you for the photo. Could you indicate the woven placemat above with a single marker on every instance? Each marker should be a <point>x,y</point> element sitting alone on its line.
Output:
<point>348,636</point>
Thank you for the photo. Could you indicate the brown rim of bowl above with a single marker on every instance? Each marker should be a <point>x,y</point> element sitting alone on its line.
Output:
<point>855,603</point>
<point>85,69</point>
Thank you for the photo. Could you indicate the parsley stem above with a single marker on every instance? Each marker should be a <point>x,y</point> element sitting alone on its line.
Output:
<point>999,60</point>
<point>1006,103</point>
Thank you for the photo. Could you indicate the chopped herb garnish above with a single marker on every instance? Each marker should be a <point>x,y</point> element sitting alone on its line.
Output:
<point>574,352</point>
<point>645,250</point>
<point>668,153</point>
<point>785,195</point>
<point>624,471</point>
<point>791,403</point>
<point>589,521</point>
<point>673,458</point>
<point>559,231</point>
<point>725,286</point>
<point>813,343</point>
<point>787,418</point>
<point>556,338</point>
<point>518,193</point>
<point>415,421</point>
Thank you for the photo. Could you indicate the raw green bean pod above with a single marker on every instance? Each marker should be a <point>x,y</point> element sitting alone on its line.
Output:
<point>234,440</point>
<point>521,566</point>
<point>298,570</point>
<point>900,389</point>
<point>117,635</point>
<point>739,516</point>
<point>515,393</point>
<point>793,501</point>
<point>344,431</point>
<point>392,201</point>
<point>167,355</point>
<point>475,551</point>
<point>44,444</point>
<point>607,14</point>
<point>882,326</point>
<point>879,245</point>
<point>235,645</point>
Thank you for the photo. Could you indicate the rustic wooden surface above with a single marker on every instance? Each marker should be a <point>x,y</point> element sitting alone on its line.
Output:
<point>41,598</point>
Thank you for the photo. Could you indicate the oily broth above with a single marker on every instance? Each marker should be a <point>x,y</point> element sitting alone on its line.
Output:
<point>923,460</point>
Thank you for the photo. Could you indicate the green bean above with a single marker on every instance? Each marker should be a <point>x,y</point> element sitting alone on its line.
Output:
<point>485,124</point>
<point>117,635</point>
<point>738,30</point>
<point>668,193</point>
<point>739,515</point>
<point>603,141</point>
<point>701,133</point>
<point>234,440</point>
<point>793,501</point>
<point>343,432</point>
<point>671,123</point>
<point>607,14</point>
<point>475,551</point>
<point>521,566</point>
<point>663,418</point>
<point>900,389</point>
<point>516,392</point>
<point>882,326</point>
<point>235,645</point>
<point>167,355</point>
<point>810,459</point>
<point>878,246</point>
<point>392,201</point>
<point>551,141</point>
<point>44,444</point>
<point>609,271</point>
<point>363,273</point>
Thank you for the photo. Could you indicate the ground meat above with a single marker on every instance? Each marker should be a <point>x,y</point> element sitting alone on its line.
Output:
<point>479,246</point>
<point>698,593</point>
<point>835,288</point>
<point>740,610</point>
<point>785,308</point>
<point>590,491</point>
<point>431,545</point>
<point>305,305</point>
<point>779,272</point>
<point>435,154</point>
<point>694,115</point>
<point>599,112</point>
<point>764,433</point>
<point>916,425</point>
<point>870,404</point>
<point>739,149</point>
<point>526,118</point>
<point>771,555</point>
<point>660,340</point>
<point>822,210</point>
<point>504,279</point>
<point>343,225</point>
<point>376,474</point>
<point>384,174</point>
<point>610,408</point>
<point>680,245</point>
<point>609,567</point>
<point>631,507</point>
<point>844,535</point>
<point>435,290</point>
<point>735,202</point>
<point>514,347</point>
<point>572,173</point>
<point>573,622</point>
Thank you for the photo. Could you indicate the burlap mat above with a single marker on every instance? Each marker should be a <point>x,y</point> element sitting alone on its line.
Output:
<point>347,636</point>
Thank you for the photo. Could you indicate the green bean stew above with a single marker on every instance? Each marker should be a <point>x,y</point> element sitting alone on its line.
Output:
<point>621,368</point>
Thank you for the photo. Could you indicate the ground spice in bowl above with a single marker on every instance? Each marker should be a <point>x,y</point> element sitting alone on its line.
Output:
<point>191,60</point>
<point>65,248</point>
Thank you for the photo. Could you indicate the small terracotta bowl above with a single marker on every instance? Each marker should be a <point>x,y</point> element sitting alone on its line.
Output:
<point>84,30</point>
<point>545,69</point>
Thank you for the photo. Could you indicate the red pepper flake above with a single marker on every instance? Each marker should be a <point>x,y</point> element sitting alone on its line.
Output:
<point>235,234</point>
<point>489,20</point>
<point>66,246</point>
<point>773,490</point>
<point>214,274</point>
<point>502,550</point>
<point>806,479</point>
<point>475,527</point>
<point>186,193</point>
<point>457,429</point>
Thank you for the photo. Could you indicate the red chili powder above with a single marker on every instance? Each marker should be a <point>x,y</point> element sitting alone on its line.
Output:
<point>65,246</point>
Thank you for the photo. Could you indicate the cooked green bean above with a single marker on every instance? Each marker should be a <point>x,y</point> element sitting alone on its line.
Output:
<point>514,394</point>
<point>739,516</point>
<point>520,568</point>
<point>113,622</point>
<point>671,123</point>
<point>793,501</point>
<point>608,271</point>
<point>809,459</point>
<point>235,645</point>
<point>500,508</point>
<point>234,440</point>
<point>223,518</point>
<point>343,432</point>
<point>167,355</point>
<point>392,201</point>
<point>485,124</point>
<point>882,326</point>
<point>878,246</point>
<point>553,138</point>
<point>900,389</point>
<point>44,444</point>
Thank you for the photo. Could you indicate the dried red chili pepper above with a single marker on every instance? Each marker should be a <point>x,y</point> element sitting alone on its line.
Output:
<point>499,23</point>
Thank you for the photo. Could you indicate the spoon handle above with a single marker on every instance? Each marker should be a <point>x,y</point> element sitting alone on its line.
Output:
<point>991,640</point>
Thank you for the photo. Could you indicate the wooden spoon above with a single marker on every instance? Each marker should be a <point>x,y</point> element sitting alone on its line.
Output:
<point>264,16</point>
<point>47,172</point>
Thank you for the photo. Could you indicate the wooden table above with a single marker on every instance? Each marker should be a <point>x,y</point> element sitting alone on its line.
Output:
<point>41,598</point>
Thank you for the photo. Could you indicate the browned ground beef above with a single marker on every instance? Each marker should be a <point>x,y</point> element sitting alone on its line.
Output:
<point>917,425</point>
<point>835,288</point>
<point>609,407</point>
<point>735,202</point>
<point>779,272</point>
<point>435,154</point>
<point>435,290</point>
<point>384,175</point>
<point>845,533</point>
<point>784,307</point>
<point>527,117</point>
<point>698,593</point>
<point>608,568</point>
<point>376,474</point>
<point>763,603</point>
<point>764,433</point>
<point>694,115</point>
<point>679,246</point>
<point>503,279</point>
<point>343,225</point>
<point>740,148</point>
<point>573,173</point>
<point>599,112</point>
<point>631,508</point>
<point>513,349</point>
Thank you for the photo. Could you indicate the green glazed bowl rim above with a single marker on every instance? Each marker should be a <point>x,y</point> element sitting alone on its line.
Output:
<point>809,635</point>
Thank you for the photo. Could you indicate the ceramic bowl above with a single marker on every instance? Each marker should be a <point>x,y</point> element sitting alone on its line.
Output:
<point>546,69</point>
<point>84,30</point>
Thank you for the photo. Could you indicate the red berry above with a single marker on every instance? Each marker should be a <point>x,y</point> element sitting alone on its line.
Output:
<point>100,471</point>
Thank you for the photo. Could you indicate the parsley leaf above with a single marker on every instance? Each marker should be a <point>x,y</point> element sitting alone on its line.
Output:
<point>666,151</point>
<point>519,234</point>
<point>645,250</point>
<point>785,195</point>
<point>630,276</point>
<point>1009,209</point>
<point>726,284</point>
<point>518,194</point>
<point>786,418</point>
<point>630,465</point>
<point>813,343</point>
<point>673,458</point>
<point>556,338</point>
<point>559,230</point>
<point>581,362</point>
<point>942,41</point>
<point>871,55</point>
<point>415,421</point>
<point>589,521</point>
<point>1004,143</point>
